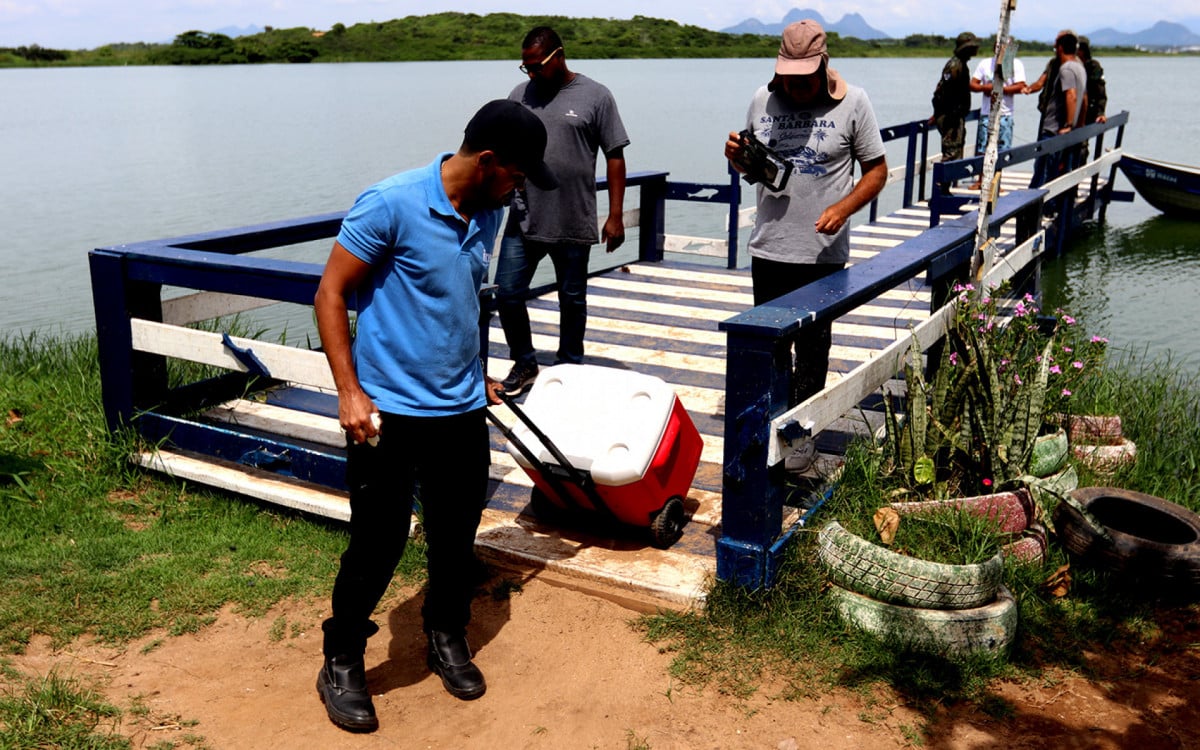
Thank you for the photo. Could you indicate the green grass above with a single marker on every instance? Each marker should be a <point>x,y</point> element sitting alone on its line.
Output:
<point>89,544</point>
<point>57,712</point>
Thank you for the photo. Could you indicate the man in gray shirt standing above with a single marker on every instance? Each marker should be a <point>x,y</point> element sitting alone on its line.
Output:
<point>1064,108</point>
<point>581,120</point>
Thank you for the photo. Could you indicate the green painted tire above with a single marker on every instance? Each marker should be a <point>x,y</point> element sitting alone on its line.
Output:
<point>988,629</point>
<point>868,569</point>
<point>1050,454</point>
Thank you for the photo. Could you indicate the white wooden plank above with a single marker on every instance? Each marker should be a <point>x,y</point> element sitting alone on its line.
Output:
<point>706,246</point>
<point>194,308</point>
<point>284,362</point>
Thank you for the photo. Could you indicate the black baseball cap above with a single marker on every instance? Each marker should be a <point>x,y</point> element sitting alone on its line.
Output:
<point>516,135</point>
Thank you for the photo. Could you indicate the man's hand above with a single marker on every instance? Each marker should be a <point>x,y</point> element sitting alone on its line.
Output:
<point>832,219</point>
<point>613,234</point>
<point>358,416</point>
<point>491,387</point>
<point>733,151</point>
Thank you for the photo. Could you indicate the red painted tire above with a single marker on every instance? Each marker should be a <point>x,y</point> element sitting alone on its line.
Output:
<point>1144,540</point>
<point>1011,511</point>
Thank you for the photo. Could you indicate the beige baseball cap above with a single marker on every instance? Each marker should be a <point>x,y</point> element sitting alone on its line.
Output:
<point>802,51</point>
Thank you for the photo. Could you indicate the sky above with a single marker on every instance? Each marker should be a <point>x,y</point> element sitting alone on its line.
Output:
<point>87,24</point>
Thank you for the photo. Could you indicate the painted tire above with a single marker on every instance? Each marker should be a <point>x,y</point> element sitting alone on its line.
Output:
<point>1106,459</point>
<point>1050,454</point>
<point>988,629</point>
<point>1030,548</point>
<point>1144,539</point>
<point>868,569</point>
<point>1012,511</point>
<point>1083,429</point>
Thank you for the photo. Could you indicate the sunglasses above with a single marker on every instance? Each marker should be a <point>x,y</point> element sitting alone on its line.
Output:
<point>534,68</point>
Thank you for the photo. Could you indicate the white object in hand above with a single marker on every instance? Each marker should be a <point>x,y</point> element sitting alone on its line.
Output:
<point>376,422</point>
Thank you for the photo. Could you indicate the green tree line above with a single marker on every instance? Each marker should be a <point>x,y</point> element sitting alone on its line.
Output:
<point>467,36</point>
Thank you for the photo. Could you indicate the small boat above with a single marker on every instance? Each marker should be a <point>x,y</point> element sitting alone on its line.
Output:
<point>1173,189</point>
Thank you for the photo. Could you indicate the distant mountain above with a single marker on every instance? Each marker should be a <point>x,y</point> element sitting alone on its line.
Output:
<point>1162,35</point>
<point>852,24</point>
<point>234,32</point>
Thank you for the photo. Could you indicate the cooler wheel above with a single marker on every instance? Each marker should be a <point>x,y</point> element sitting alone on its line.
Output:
<point>667,525</point>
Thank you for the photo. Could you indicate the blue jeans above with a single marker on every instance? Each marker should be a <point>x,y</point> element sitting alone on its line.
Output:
<point>519,259</point>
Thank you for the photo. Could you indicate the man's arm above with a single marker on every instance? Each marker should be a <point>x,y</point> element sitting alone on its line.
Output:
<point>1036,86</point>
<point>874,176</point>
<point>1071,96</point>
<point>343,274</point>
<point>613,234</point>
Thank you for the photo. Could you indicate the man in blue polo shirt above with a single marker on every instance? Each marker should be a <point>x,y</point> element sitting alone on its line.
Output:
<point>410,257</point>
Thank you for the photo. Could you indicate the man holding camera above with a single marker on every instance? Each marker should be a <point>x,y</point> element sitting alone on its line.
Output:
<point>812,118</point>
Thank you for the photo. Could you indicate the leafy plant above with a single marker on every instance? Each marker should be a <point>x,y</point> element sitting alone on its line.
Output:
<point>1004,368</point>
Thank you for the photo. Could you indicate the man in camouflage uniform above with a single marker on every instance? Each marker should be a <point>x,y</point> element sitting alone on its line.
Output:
<point>952,98</point>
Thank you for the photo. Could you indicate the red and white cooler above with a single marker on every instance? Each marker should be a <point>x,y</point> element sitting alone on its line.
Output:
<point>628,431</point>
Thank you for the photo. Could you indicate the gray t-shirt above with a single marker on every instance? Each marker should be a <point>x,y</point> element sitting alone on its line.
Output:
<point>581,118</point>
<point>1071,75</point>
<point>823,141</point>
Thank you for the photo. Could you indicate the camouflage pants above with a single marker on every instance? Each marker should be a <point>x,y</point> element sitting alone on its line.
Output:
<point>954,135</point>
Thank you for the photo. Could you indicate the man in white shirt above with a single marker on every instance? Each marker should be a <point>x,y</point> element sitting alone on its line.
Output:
<point>982,81</point>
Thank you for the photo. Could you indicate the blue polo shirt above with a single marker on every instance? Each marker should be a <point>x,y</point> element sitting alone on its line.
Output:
<point>416,346</point>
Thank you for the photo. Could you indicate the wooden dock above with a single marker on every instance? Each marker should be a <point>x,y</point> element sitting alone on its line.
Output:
<point>660,319</point>
<point>267,427</point>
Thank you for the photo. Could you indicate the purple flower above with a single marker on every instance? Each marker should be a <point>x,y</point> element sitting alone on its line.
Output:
<point>953,358</point>
<point>1017,379</point>
<point>1066,392</point>
<point>1077,365</point>
<point>1056,370</point>
<point>1099,340</point>
<point>1068,320</point>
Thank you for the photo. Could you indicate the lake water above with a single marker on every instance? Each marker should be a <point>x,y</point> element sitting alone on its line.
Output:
<point>93,157</point>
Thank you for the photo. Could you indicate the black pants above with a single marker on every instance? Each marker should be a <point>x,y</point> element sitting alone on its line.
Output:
<point>773,279</point>
<point>447,457</point>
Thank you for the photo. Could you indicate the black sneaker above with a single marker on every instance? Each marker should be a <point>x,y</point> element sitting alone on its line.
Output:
<point>520,377</point>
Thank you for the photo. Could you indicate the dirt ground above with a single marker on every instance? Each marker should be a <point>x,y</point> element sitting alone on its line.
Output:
<point>565,670</point>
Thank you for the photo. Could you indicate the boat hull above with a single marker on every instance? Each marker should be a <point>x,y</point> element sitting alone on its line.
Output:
<point>1173,189</point>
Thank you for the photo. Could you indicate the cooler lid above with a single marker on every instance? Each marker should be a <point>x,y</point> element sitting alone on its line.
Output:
<point>605,420</point>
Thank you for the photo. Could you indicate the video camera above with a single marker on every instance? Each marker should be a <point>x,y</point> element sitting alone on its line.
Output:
<point>762,164</point>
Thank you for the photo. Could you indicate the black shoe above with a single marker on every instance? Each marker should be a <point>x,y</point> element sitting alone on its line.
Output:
<point>520,377</point>
<point>342,685</point>
<point>450,659</point>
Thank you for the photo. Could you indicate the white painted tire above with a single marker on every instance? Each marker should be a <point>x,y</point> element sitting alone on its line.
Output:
<point>877,572</point>
<point>989,629</point>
